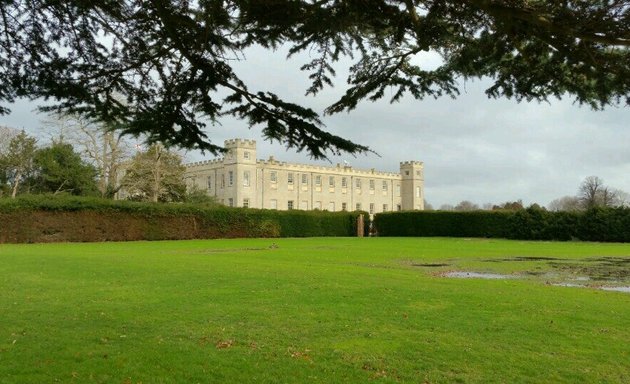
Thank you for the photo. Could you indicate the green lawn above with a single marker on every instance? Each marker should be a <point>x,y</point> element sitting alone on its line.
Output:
<point>321,310</point>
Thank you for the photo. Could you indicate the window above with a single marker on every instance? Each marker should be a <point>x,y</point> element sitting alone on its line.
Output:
<point>246,178</point>
<point>273,177</point>
<point>331,181</point>
<point>397,189</point>
<point>344,206</point>
<point>371,208</point>
<point>209,183</point>
<point>384,185</point>
<point>407,173</point>
<point>304,178</point>
<point>290,178</point>
<point>318,205</point>
<point>246,203</point>
<point>223,180</point>
<point>231,202</point>
<point>318,180</point>
<point>290,205</point>
<point>418,192</point>
<point>246,155</point>
<point>304,205</point>
<point>273,204</point>
<point>331,206</point>
<point>398,207</point>
<point>358,206</point>
<point>358,183</point>
<point>344,182</point>
<point>418,173</point>
<point>230,178</point>
<point>384,207</point>
<point>371,185</point>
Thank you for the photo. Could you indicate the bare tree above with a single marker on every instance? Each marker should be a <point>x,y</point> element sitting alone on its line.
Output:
<point>593,193</point>
<point>17,162</point>
<point>105,149</point>
<point>621,199</point>
<point>155,175</point>
<point>565,204</point>
<point>466,206</point>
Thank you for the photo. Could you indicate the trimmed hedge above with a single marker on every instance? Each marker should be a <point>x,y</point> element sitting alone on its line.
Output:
<point>44,218</point>
<point>445,224</point>
<point>600,224</point>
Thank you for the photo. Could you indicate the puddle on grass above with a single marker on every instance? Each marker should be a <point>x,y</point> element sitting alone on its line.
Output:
<point>477,275</point>
<point>624,289</point>
<point>617,289</point>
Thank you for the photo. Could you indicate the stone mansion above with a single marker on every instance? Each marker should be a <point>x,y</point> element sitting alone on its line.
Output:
<point>240,180</point>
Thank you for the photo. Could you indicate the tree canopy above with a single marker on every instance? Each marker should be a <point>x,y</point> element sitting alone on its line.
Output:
<point>163,67</point>
<point>59,169</point>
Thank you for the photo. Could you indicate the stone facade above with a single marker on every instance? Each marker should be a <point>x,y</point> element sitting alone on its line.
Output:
<point>240,180</point>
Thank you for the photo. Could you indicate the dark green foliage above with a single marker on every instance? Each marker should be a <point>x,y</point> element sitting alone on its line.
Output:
<point>148,221</point>
<point>605,224</point>
<point>600,224</point>
<point>59,169</point>
<point>441,223</point>
<point>165,67</point>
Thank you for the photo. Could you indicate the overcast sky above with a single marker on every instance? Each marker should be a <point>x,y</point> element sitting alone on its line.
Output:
<point>473,148</point>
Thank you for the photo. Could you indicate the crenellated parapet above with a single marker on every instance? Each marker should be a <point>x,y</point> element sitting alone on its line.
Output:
<point>205,163</point>
<point>411,163</point>
<point>240,143</point>
<point>338,169</point>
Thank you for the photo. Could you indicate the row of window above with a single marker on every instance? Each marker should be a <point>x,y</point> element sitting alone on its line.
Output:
<point>331,206</point>
<point>316,205</point>
<point>246,179</point>
<point>331,181</point>
<point>318,181</point>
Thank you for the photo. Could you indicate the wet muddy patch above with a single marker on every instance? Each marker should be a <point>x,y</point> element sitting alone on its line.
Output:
<point>601,269</point>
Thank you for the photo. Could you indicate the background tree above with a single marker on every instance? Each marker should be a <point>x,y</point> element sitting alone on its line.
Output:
<point>99,145</point>
<point>59,169</point>
<point>6,134</point>
<point>17,162</point>
<point>446,207</point>
<point>466,206</point>
<point>170,61</point>
<point>509,205</point>
<point>155,175</point>
<point>593,193</point>
<point>566,204</point>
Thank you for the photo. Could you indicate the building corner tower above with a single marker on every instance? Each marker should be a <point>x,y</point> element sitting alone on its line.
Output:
<point>240,168</point>
<point>412,185</point>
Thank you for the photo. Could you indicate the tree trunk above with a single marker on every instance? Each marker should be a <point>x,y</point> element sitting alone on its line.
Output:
<point>18,175</point>
<point>157,177</point>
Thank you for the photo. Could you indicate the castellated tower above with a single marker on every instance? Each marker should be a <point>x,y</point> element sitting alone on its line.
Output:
<point>412,185</point>
<point>240,173</point>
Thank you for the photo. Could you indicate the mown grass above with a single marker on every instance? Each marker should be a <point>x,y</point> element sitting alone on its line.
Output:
<point>307,310</point>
